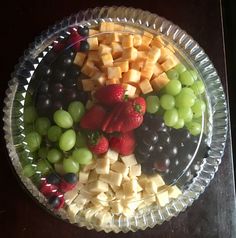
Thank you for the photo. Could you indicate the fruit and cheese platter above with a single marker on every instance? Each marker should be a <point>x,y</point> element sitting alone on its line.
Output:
<point>112,124</point>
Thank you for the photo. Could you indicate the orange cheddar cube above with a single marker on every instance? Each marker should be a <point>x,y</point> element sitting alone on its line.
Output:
<point>160,81</point>
<point>147,70</point>
<point>124,65</point>
<point>165,53</point>
<point>154,54</point>
<point>100,78</point>
<point>107,59</point>
<point>127,41</point>
<point>147,38</point>
<point>142,55</point>
<point>89,69</point>
<point>116,49</point>
<point>93,43</point>
<point>168,64</point>
<point>104,49</point>
<point>79,58</point>
<point>130,54</point>
<point>158,42</point>
<point>137,64</point>
<point>112,81</point>
<point>132,76</point>
<point>113,72</point>
<point>145,86</point>
<point>157,69</point>
<point>118,27</point>
<point>106,26</point>
<point>93,32</point>
<point>137,40</point>
<point>89,84</point>
<point>93,56</point>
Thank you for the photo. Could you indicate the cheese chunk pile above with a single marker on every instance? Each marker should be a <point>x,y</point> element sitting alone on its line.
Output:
<point>113,185</point>
<point>137,60</point>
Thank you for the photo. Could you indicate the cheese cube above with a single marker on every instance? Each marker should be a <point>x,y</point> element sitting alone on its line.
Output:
<point>116,207</point>
<point>104,49</point>
<point>144,48</point>
<point>133,203</point>
<point>148,198</point>
<point>130,187</point>
<point>132,76</point>
<point>147,38</point>
<point>81,201</point>
<point>112,81</point>
<point>106,26</point>
<point>109,38</point>
<point>135,170</point>
<point>127,212</point>
<point>168,64</point>
<point>120,194</point>
<point>89,69</point>
<point>100,78</point>
<point>79,58</point>
<point>124,65</point>
<point>158,42</point>
<point>162,198</point>
<point>93,32</point>
<point>70,196</point>
<point>90,166</point>
<point>113,72</point>
<point>107,59</point>
<point>89,85</point>
<point>100,199</point>
<point>130,90</point>
<point>93,56</point>
<point>174,191</point>
<point>127,41</point>
<point>103,166</point>
<point>98,186</point>
<point>137,64</point>
<point>157,179</point>
<point>154,54</point>
<point>150,186</point>
<point>137,40</point>
<point>83,177</point>
<point>165,53</point>
<point>142,55</point>
<point>93,176</point>
<point>112,156</point>
<point>147,70</point>
<point>160,81</point>
<point>157,69</point>
<point>118,27</point>
<point>114,188</point>
<point>120,168</point>
<point>93,43</point>
<point>145,86</point>
<point>129,160</point>
<point>116,50</point>
<point>72,210</point>
<point>112,178</point>
<point>130,54</point>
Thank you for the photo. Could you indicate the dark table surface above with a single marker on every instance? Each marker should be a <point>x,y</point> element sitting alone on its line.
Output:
<point>212,215</point>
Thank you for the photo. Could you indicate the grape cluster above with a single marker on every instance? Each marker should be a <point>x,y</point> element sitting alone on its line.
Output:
<point>163,149</point>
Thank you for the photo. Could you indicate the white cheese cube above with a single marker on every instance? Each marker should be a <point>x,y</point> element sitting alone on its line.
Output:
<point>127,212</point>
<point>150,186</point>
<point>112,178</point>
<point>174,191</point>
<point>113,72</point>
<point>98,186</point>
<point>72,210</point>
<point>129,160</point>
<point>81,201</point>
<point>103,166</point>
<point>120,168</point>
<point>130,90</point>
<point>162,198</point>
<point>135,170</point>
<point>90,166</point>
<point>120,194</point>
<point>100,199</point>
<point>112,156</point>
<point>70,196</point>
<point>114,188</point>
<point>130,187</point>
<point>103,218</point>
<point>83,177</point>
<point>116,207</point>
<point>157,179</point>
<point>93,176</point>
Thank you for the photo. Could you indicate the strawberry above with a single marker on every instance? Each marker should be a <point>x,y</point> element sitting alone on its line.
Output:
<point>124,143</point>
<point>97,143</point>
<point>110,95</point>
<point>93,118</point>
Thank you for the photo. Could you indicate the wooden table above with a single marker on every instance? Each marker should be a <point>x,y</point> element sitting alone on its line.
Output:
<point>212,215</point>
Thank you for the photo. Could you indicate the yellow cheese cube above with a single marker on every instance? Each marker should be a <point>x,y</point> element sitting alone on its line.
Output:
<point>110,37</point>
<point>160,81</point>
<point>107,59</point>
<point>174,191</point>
<point>127,41</point>
<point>112,156</point>
<point>129,160</point>
<point>106,26</point>
<point>100,199</point>
<point>158,42</point>
<point>124,65</point>
<point>118,27</point>
<point>157,69</point>
<point>147,38</point>
<point>93,56</point>
<point>89,69</point>
<point>137,64</point>
<point>116,207</point>
<point>112,81</point>
<point>130,90</point>
<point>113,72</point>
<point>130,54</point>
<point>100,78</point>
<point>103,166</point>
<point>147,70</point>
<point>132,76</point>
<point>112,178</point>
<point>162,198</point>
<point>145,86</point>
<point>165,53</point>
<point>83,176</point>
<point>137,40</point>
<point>168,64</point>
<point>148,198</point>
<point>89,84</point>
<point>120,194</point>
<point>93,32</point>
<point>142,55</point>
<point>120,168</point>
<point>93,43</point>
<point>135,170</point>
<point>104,49</point>
<point>98,186</point>
<point>81,201</point>
<point>154,54</point>
<point>144,48</point>
<point>116,50</point>
<point>79,58</point>
<point>150,186</point>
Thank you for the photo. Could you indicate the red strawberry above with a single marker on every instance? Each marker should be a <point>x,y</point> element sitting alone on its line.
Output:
<point>93,118</point>
<point>110,95</point>
<point>98,143</point>
<point>141,102</point>
<point>124,143</point>
<point>47,189</point>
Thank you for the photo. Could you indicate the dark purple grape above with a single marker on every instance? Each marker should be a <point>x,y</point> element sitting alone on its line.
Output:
<point>43,104</point>
<point>45,70</point>
<point>158,149</point>
<point>147,168</point>
<point>83,31</point>
<point>150,138</point>
<point>56,90</point>
<point>70,94</point>
<point>69,82</point>
<point>164,138</point>
<point>50,57</point>
<point>144,149</point>
<point>57,105</point>
<point>171,150</point>
<point>58,75</point>
<point>142,158</point>
<point>82,96</point>
<point>84,46</point>
<point>73,71</point>
<point>43,88</point>
<point>162,164</point>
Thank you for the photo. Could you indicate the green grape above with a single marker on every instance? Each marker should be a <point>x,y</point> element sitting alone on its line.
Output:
<point>28,170</point>
<point>179,124</point>
<point>198,108</point>
<point>180,68</point>
<point>171,117</point>
<point>76,110</point>
<point>188,91</point>
<point>184,100</point>
<point>28,99</point>
<point>41,125</point>
<point>54,156</point>
<point>173,87</point>
<point>185,113</point>
<point>194,128</point>
<point>186,78</point>
<point>42,153</point>
<point>167,101</point>
<point>198,87</point>
<point>81,140</point>
<point>30,114</point>
<point>194,74</point>
<point>153,104</point>
<point>54,133</point>
<point>33,140</point>
<point>43,166</point>
<point>82,156</point>
<point>70,166</point>
<point>172,74</point>
<point>67,140</point>
<point>63,119</point>
<point>59,168</point>
<point>29,128</point>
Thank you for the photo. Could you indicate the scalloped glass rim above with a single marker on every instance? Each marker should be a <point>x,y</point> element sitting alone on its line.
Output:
<point>195,55</point>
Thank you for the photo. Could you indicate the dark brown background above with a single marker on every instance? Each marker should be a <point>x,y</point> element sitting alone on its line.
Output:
<point>213,215</point>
